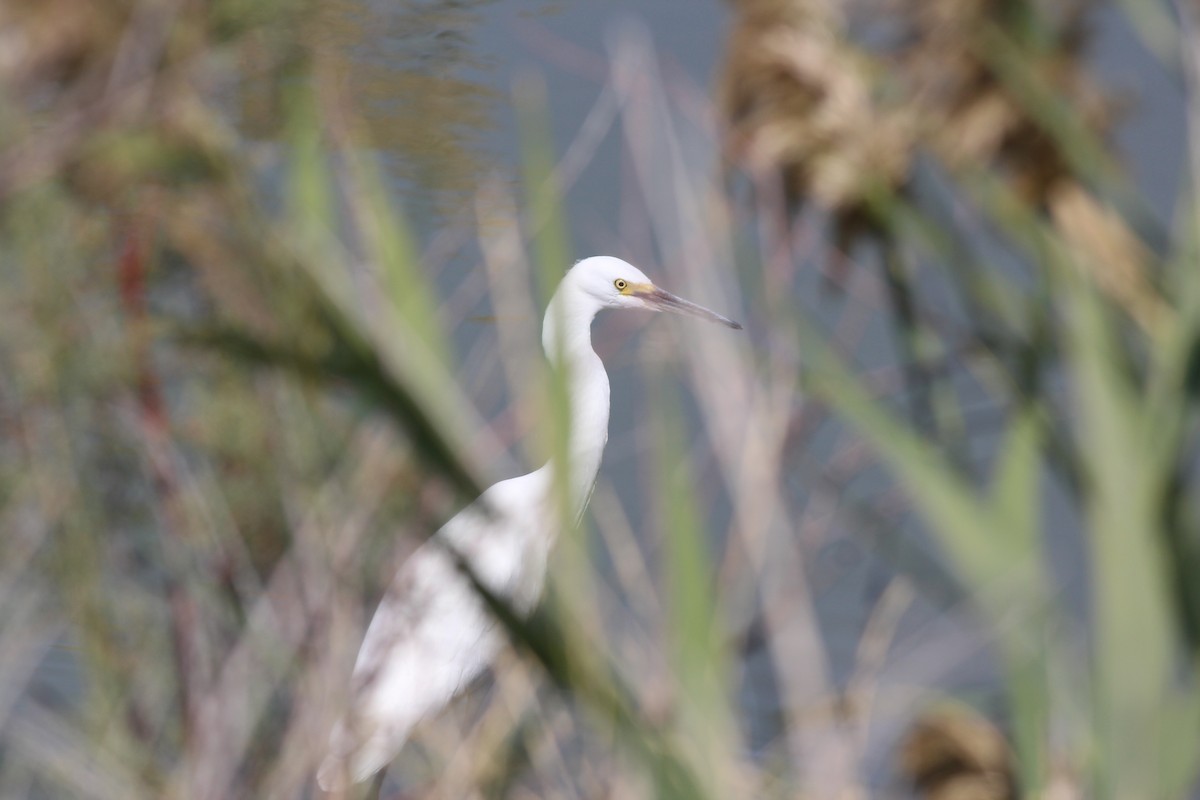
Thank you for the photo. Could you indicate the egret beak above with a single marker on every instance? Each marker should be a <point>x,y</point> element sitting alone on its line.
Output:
<point>657,299</point>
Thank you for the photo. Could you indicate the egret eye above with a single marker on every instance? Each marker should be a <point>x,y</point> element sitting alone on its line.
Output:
<point>620,283</point>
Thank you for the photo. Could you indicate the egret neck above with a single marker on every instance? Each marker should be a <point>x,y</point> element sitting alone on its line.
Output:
<point>567,341</point>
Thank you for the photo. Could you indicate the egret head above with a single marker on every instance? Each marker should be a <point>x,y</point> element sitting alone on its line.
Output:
<point>614,283</point>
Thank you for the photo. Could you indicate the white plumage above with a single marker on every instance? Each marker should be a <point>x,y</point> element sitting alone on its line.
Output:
<point>432,635</point>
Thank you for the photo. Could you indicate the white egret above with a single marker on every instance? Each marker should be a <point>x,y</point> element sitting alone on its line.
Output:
<point>432,634</point>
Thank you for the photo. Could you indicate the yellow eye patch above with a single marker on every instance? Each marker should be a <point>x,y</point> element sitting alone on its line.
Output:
<point>631,289</point>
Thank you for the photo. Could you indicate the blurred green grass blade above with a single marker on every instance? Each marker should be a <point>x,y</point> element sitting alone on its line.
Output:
<point>409,288</point>
<point>1170,386</point>
<point>1134,652</point>
<point>1014,494</point>
<point>1176,764</point>
<point>545,226</point>
<point>961,524</point>
<point>1172,399</point>
<point>1128,447</point>
<point>1156,28</point>
<point>571,563</point>
<point>558,448</point>
<point>1026,666</point>
<point>545,223</point>
<point>1014,504</point>
<point>395,367</point>
<point>691,601</point>
<point>309,194</point>
<point>991,540</point>
<point>687,564</point>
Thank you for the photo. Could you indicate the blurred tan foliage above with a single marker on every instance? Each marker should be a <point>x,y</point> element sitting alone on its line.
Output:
<point>954,753</point>
<point>838,124</point>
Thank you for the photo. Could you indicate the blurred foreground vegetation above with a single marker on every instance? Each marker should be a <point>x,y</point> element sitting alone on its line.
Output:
<point>232,405</point>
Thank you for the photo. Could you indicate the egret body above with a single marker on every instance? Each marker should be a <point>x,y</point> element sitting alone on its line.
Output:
<point>432,634</point>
